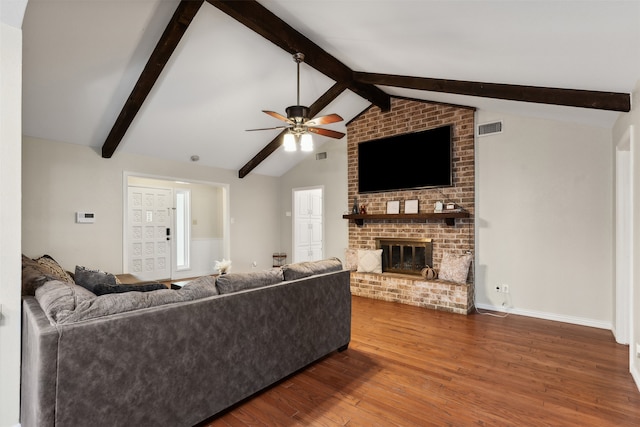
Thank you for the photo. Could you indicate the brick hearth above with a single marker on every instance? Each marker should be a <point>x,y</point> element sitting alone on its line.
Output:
<point>411,116</point>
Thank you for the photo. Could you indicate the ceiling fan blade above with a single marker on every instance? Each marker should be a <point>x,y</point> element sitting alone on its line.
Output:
<point>326,132</point>
<point>277,116</point>
<point>324,120</point>
<point>276,127</point>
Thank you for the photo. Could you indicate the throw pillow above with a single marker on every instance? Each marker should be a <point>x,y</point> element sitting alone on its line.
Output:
<point>201,287</point>
<point>101,283</point>
<point>33,276</point>
<point>52,269</point>
<point>455,268</point>
<point>369,261</point>
<point>351,259</point>
<point>91,279</point>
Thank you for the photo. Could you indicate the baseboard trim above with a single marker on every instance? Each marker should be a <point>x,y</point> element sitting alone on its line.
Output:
<point>635,373</point>
<point>550,316</point>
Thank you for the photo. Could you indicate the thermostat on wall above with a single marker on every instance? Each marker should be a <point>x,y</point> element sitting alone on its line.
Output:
<point>85,217</point>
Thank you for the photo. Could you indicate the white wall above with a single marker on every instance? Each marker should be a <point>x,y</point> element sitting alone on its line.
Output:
<point>10,136</point>
<point>544,219</point>
<point>60,179</point>
<point>623,125</point>
<point>332,174</point>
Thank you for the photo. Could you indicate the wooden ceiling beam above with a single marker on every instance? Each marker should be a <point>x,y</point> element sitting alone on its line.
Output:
<point>170,38</point>
<point>262,21</point>
<point>613,101</point>
<point>326,98</point>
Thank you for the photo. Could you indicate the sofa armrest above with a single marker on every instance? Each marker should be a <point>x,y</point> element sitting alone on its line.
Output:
<point>39,366</point>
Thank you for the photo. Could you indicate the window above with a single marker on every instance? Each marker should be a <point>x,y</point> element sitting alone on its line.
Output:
<point>183,228</point>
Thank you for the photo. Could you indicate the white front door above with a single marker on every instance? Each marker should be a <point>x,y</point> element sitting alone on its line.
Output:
<point>148,233</point>
<point>308,225</point>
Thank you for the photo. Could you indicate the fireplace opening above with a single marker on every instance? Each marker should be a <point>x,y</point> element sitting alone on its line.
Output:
<point>405,256</point>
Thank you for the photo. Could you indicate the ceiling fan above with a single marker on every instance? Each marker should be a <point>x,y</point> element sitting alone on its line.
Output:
<point>299,123</point>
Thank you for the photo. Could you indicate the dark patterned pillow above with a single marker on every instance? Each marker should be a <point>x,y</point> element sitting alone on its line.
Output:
<point>118,289</point>
<point>91,279</point>
<point>228,283</point>
<point>53,269</point>
<point>33,276</point>
<point>100,282</point>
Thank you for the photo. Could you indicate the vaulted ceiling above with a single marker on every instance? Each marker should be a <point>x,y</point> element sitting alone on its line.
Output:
<point>83,59</point>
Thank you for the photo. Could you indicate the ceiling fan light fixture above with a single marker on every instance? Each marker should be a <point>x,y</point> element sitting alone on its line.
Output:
<point>306,142</point>
<point>289,142</point>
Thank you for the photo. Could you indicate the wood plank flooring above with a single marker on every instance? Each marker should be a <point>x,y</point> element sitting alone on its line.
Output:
<point>408,366</point>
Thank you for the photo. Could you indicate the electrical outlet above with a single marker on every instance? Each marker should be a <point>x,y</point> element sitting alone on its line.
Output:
<point>502,289</point>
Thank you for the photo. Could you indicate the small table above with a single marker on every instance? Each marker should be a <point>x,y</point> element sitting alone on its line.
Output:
<point>180,284</point>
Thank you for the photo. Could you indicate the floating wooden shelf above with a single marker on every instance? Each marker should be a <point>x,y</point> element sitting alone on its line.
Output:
<point>448,217</point>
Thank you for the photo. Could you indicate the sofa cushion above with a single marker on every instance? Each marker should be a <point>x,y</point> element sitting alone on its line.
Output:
<point>234,282</point>
<point>115,303</point>
<point>301,270</point>
<point>201,287</point>
<point>56,297</point>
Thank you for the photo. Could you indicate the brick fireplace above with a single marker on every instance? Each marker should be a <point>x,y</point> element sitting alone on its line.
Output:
<point>406,116</point>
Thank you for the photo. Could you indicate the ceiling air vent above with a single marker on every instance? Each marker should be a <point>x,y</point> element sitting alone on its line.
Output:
<point>489,128</point>
<point>321,156</point>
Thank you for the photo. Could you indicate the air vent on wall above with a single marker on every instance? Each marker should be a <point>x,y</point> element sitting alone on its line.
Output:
<point>321,156</point>
<point>489,128</point>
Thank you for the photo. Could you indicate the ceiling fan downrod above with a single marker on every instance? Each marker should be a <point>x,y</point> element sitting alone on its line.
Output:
<point>298,112</point>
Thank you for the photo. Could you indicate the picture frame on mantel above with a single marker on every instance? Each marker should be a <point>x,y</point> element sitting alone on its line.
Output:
<point>411,206</point>
<point>393,207</point>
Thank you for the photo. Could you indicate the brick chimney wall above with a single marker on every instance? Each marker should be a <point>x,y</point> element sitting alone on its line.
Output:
<point>408,116</point>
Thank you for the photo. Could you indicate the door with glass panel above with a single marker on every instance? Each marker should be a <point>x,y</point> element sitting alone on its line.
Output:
<point>148,245</point>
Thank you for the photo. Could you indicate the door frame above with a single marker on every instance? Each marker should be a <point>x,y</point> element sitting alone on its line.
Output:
<point>624,272</point>
<point>226,211</point>
<point>294,216</point>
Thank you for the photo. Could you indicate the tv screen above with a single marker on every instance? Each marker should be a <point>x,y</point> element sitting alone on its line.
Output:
<point>413,160</point>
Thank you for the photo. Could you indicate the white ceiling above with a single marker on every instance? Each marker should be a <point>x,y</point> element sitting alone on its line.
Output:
<point>83,57</point>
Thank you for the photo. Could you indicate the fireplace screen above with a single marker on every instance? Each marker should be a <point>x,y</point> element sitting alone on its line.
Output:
<point>407,256</point>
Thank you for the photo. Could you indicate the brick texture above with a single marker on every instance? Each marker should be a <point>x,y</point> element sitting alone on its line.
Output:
<point>406,116</point>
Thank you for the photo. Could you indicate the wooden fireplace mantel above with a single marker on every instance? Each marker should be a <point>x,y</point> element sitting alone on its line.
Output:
<point>448,217</point>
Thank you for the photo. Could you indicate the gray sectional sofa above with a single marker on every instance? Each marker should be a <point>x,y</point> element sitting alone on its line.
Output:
<point>175,357</point>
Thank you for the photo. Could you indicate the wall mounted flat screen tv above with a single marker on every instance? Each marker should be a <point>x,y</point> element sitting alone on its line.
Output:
<point>402,162</point>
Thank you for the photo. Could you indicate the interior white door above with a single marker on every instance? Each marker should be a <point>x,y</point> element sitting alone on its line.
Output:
<point>308,225</point>
<point>148,232</point>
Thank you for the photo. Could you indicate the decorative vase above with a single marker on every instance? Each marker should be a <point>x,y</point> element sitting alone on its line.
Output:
<point>355,210</point>
<point>429,273</point>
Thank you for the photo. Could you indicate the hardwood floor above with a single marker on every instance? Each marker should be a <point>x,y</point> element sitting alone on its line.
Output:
<point>408,366</point>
